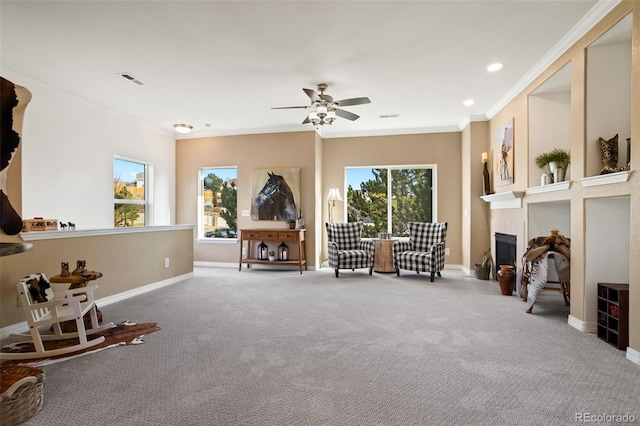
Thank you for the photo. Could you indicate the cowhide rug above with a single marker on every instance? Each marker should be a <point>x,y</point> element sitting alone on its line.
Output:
<point>125,333</point>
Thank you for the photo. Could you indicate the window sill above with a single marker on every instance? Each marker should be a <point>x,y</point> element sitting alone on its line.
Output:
<point>217,240</point>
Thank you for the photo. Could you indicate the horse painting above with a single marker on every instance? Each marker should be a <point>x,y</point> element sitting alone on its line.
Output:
<point>275,201</point>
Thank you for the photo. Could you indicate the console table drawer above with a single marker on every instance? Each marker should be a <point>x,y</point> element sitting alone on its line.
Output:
<point>251,235</point>
<point>269,235</point>
<point>291,236</point>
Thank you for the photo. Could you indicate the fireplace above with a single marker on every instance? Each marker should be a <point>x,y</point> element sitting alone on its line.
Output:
<point>505,249</point>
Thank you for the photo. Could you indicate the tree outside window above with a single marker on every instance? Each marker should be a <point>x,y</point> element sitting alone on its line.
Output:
<point>385,199</point>
<point>218,217</point>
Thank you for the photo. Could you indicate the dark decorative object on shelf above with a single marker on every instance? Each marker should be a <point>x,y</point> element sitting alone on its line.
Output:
<point>283,251</point>
<point>628,153</point>
<point>609,152</point>
<point>263,251</point>
<point>486,181</point>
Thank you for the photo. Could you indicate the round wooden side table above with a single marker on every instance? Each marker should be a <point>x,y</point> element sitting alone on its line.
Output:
<point>383,261</point>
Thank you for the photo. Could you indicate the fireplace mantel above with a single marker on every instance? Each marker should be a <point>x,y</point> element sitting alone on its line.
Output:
<point>504,200</point>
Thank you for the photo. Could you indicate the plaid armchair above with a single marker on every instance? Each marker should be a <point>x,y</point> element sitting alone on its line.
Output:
<point>347,250</point>
<point>424,251</point>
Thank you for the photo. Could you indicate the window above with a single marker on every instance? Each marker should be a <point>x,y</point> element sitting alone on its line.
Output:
<point>387,198</point>
<point>218,207</point>
<point>129,193</point>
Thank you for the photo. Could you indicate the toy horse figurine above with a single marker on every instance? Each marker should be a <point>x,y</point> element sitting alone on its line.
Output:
<point>275,201</point>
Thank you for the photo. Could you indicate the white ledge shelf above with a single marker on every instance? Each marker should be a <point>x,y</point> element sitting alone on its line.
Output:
<point>54,235</point>
<point>504,200</point>
<point>607,179</point>
<point>552,187</point>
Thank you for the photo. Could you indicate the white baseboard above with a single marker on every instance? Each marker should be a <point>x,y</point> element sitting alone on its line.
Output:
<point>203,264</point>
<point>585,327</point>
<point>633,355</point>
<point>22,327</point>
<point>141,290</point>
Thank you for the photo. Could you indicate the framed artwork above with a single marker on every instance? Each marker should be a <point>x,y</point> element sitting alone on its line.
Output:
<point>504,170</point>
<point>275,194</point>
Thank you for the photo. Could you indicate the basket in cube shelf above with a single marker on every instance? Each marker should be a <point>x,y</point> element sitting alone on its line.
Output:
<point>21,392</point>
<point>29,225</point>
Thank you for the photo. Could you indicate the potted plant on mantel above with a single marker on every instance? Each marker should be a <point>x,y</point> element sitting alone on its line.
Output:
<point>557,160</point>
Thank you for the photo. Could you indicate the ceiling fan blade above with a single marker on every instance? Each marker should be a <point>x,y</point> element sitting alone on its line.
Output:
<point>306,120</point>
<point>290,107</point>
<point>353,101</point>
<point>346,114</point>
<point>312,94</point>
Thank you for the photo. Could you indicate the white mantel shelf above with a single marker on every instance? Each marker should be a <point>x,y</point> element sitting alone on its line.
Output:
<point>607,179</point>
<point>504,200</point>
<point>559,186</point>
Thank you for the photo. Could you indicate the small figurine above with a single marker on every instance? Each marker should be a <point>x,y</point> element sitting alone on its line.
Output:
<point>65,269</point>
<point>81,264</point>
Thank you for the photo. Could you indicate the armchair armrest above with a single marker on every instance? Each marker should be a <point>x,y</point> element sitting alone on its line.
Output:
<point>401,245</point>
<point>367,245</point>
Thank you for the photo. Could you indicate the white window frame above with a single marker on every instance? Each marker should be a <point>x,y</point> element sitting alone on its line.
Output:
<point>148,173</point>
<point>434,187</point>
<point>200,208</point>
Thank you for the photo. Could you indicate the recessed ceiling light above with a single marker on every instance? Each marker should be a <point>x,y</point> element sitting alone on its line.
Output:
<point>183,128</point>
<point>468,102</point>
<point>495,67</point>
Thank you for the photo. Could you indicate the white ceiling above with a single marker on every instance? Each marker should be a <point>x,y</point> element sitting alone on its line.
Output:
<point>228,63</point>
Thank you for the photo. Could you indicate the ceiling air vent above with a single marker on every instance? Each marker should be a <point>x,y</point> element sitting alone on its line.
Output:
<point>132,79</point>
<point>390,116</point>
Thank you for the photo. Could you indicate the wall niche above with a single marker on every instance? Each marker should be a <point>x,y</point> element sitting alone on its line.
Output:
<point>549,121</point>
<point>608,99</point>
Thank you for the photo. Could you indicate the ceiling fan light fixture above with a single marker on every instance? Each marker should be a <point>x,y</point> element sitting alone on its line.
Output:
<point>322,111</point>
<point>183,128</point>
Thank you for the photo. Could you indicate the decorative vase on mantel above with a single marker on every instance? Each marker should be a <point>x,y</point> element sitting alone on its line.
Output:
<point>507,279</point>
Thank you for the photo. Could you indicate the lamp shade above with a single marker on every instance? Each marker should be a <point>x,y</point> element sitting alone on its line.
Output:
<point>334,195</point>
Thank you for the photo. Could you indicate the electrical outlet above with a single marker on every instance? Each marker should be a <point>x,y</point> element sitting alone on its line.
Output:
<point>447,252</point>
<point>166,262</point>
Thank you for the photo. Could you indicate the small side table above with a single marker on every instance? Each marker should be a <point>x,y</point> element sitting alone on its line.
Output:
<point>383,261</point>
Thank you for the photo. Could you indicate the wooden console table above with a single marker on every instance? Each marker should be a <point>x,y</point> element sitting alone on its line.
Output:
<point>273,236</point>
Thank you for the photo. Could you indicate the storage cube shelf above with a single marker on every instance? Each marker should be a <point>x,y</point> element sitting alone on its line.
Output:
<point>613,314</point>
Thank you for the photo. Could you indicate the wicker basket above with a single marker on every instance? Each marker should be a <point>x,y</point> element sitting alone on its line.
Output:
<point>17,405</point>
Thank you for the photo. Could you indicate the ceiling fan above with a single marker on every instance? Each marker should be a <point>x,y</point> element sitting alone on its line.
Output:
<point>324,109</point>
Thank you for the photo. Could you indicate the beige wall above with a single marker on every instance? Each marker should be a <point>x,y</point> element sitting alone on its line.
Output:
<point>127,261</point>
<point>441,149</point>
<point>246,152</point>
<point>322,163</point>
<point>583,299</point>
